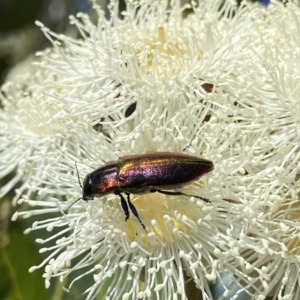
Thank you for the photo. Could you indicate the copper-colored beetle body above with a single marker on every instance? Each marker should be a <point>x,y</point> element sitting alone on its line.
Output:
<point>145,173</point>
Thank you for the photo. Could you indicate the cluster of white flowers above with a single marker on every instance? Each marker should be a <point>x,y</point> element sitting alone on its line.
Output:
<point>224,80</point>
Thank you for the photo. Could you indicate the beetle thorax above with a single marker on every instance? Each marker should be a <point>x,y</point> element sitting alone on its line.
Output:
<point>102,181</point>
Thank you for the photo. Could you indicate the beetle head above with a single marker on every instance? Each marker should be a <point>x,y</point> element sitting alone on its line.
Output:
<point>87,189</point>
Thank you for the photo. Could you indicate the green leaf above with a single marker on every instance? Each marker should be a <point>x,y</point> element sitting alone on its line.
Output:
<point>18,252</point>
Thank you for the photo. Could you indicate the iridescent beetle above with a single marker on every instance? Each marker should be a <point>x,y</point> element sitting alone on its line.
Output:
<point>144,173</point>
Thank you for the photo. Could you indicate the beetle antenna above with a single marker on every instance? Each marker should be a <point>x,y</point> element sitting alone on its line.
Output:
<point>66,210</point>
<point>78,176</point>
<point>187,146</point>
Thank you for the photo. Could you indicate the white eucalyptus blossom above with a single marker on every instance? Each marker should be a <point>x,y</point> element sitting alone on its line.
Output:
<point>222,83</point>
<point>273,181</point>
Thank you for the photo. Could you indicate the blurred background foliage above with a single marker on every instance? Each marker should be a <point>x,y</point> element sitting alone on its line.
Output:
<point>20,38</point>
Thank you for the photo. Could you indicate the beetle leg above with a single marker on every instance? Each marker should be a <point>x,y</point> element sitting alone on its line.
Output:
<point>180,193</point>
<point>134,211</point>
<point>124,207</point>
